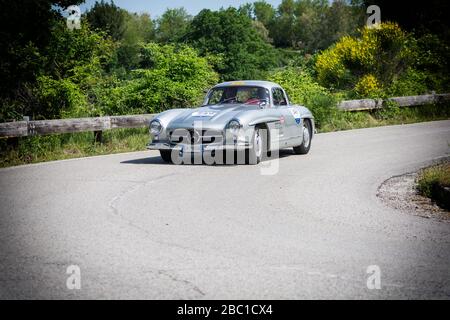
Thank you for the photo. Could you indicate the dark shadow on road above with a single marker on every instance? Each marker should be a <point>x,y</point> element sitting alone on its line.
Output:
<point>146,160</point>
<point>159,161</point>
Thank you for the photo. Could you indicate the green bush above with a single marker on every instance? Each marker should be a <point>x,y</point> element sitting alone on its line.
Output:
<point>58,98</point>
<point>410,83</point>
<point>171,76</point>
<point>368,86</point>
<point>433,60</point>
<point>436,175</point>
<point>72,67</point>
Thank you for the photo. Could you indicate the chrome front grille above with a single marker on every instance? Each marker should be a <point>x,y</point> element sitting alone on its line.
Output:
<point>194,136</point>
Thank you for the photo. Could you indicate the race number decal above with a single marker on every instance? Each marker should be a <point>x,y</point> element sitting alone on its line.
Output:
<point>204,114</point>
<point>296,114</point>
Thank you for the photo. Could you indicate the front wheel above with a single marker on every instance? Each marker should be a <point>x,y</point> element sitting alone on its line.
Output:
<point>166,155</point>
<point>306,143</point>
<point>255,153</point>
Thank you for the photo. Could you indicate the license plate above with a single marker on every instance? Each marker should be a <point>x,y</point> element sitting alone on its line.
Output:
<point>192,148</point>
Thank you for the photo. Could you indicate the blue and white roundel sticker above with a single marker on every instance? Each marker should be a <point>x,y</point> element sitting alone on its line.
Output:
<point>296,114</point>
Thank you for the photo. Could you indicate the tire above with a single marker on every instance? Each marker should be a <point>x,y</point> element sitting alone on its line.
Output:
<point>166,155</point>
<point>256,152</point>
<point>306,143</point>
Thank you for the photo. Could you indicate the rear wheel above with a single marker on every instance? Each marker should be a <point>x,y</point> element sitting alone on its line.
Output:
<point>166,155</point>
<point>306,143</point>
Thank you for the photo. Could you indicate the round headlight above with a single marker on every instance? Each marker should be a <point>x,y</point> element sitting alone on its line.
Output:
<point>155,127</point>
<point>234,126</point>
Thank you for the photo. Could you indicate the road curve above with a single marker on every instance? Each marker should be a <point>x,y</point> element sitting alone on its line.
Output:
<point>138,228</point>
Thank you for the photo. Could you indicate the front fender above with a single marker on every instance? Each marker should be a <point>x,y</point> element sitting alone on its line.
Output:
<point>166,117</point>
<point>305,112</point>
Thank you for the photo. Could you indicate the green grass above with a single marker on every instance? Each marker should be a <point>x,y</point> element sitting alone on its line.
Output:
<point>66,146</point>
<point>433,176</point>
<point>389,116</point>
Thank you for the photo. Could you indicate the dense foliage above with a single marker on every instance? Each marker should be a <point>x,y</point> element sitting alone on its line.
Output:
<point>230,35</point>
<point>363,63</point>
<point>303,90</point>
<point>170,76</point>
<point>383,60</point>
<point>121,62</point>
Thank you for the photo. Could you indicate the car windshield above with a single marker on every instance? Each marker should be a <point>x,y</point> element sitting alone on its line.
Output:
<point>238,94</point>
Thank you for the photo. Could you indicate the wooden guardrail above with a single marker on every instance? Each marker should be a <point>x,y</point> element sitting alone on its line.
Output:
<point>409,101</point>
<point>99,124</point>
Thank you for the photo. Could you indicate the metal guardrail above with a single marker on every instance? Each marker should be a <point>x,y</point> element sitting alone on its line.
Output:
<point>99,124</point>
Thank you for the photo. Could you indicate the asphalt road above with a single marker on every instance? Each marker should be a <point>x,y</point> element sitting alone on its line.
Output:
<point>139,228</point>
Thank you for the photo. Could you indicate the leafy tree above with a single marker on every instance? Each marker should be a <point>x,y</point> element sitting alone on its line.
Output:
<point>172,25</point>
<point>74,64</point>
<point>282,30</point>
<point>25,29</point>
<point>107,17</point>
<point>262,31</point>
<point>264,12</point>
<point>138,28</point>
<point>230,34</point>
<point>246,9</point>
<point>341,20</point>
<point>312,25</point>
<point>312,32</point>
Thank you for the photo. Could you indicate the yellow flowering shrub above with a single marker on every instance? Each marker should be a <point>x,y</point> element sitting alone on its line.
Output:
<point>376,56</point>
<point>368,86</point>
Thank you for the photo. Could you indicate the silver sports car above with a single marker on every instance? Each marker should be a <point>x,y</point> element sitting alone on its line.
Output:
<point>248,118</point>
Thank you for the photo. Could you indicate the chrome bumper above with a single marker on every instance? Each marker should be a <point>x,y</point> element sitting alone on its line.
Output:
<point>197,148</point>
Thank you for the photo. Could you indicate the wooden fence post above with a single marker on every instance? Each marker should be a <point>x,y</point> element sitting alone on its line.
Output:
<point>98,135</point>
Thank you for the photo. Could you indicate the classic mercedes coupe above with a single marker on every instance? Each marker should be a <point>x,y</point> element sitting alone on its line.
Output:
<point>253,118</point>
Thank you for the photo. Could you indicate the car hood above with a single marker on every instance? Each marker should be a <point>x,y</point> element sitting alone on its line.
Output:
<point>210,117</point>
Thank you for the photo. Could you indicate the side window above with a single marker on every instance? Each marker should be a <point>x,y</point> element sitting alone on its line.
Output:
<point>215,96</point>
<point>278,97</point>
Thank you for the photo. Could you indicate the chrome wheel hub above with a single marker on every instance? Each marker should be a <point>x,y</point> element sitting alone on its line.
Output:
<point>306,137</point>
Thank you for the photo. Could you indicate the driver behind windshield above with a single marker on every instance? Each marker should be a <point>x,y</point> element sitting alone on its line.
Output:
<point>247,95</point>
<point>229,95</point>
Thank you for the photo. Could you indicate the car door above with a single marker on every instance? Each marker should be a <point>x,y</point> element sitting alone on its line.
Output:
<point>290,122</point>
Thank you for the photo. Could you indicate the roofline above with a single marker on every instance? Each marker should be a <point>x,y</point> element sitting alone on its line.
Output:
<point>256,83</point>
